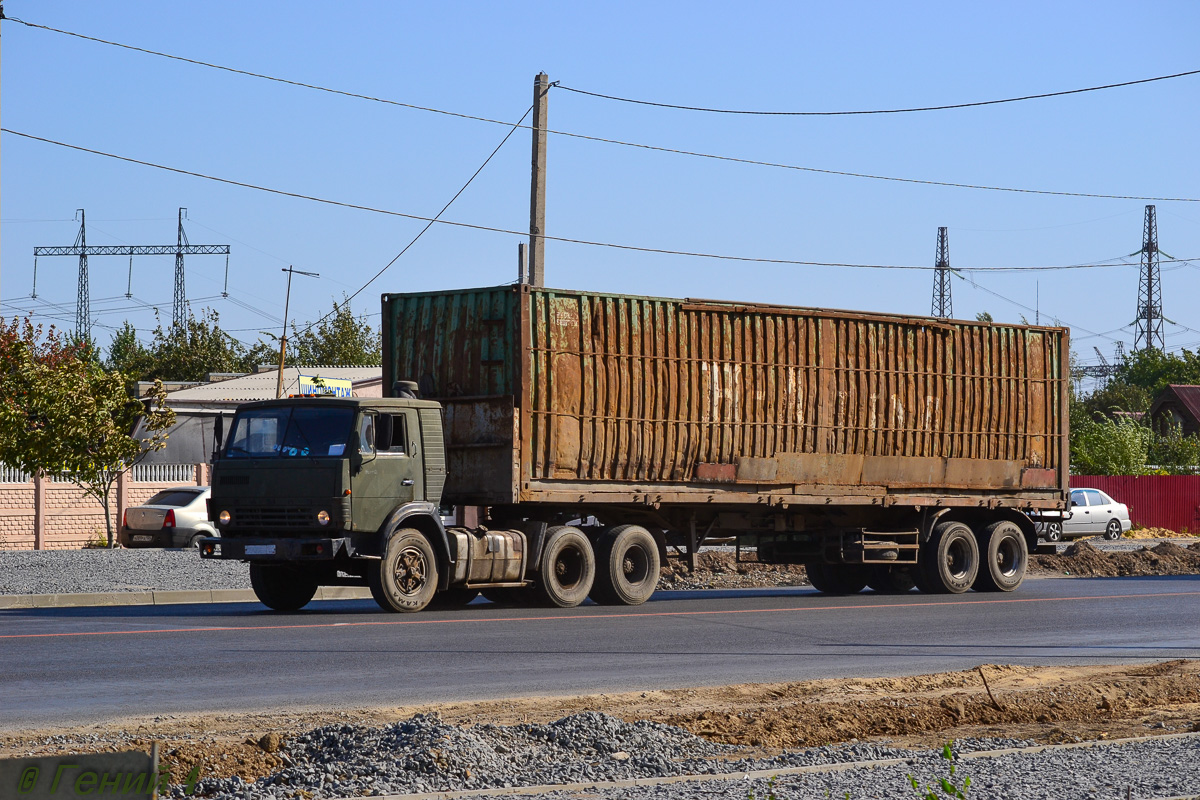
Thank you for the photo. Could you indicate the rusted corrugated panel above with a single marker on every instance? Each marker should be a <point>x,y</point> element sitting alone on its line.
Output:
<point>646,389</point>
<point>1155,501</point>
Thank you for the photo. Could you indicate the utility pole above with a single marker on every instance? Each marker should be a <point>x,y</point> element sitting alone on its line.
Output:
<point>522,265</point>
<point>283,339</point>
<point>537,191</point>
<point>942,307</point>
<point>1149,332</point>
<point>83,311</point>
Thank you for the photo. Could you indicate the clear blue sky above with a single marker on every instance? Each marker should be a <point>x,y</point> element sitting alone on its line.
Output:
<point>481,58</point>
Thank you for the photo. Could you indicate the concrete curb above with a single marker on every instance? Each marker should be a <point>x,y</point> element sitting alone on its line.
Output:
<point>163,598</point>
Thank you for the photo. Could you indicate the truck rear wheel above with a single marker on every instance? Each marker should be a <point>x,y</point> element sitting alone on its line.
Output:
<point>568,567</point>
<point>627,566</point>
<point>949,561</point>
<point>1005,556</point>
<point>282,587</point>
<point>836,578</point>
<point>406,577</point>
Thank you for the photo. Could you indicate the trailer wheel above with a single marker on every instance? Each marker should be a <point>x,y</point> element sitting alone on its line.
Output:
<point>282,587</point>
<point>836,578</point>
<point>1005,556</point>
<point>568,567</point>
<point>627,566</point>
<point>406,577</point>
<point>453,598</point>
<point>891,580</point>
<point>949,562</point>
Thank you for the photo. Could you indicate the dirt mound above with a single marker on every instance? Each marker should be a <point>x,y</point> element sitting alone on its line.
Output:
<point>1082,559</point>
<point>1151,533</point>
<point>719,569</point>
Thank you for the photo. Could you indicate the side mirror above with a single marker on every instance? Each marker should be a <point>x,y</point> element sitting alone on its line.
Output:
<point>218,437</point>
<point>356,459</point>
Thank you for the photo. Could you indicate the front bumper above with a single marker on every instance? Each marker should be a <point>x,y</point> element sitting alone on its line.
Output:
<point>276,549</point>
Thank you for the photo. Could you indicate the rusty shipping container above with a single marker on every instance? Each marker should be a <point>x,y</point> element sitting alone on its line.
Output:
<point>574,398</point>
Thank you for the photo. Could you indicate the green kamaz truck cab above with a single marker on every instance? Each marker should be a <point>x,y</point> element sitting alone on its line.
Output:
<point>313,491</point>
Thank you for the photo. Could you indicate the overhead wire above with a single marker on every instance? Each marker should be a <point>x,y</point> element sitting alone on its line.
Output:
<point>915,109</point>
<point>547,237</point>
<point>429,224</point>
<point>653,148</point>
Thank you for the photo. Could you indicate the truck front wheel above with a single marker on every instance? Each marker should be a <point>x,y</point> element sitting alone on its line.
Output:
<point>406,576</point>
<point>627,566</point>
<point>568,568</point>
<point>949,561</point>
<point>281,587</point>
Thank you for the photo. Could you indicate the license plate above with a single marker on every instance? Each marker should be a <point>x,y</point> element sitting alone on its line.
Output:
<point>143,538</point>
<point>260,549</point>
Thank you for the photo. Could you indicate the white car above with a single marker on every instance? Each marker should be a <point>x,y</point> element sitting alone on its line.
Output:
<point>175,517</point>
<point>1092,513</point>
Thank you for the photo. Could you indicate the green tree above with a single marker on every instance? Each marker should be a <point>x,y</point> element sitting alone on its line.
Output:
<point>63,414</point>
<point>191,351</point>
<point>1109,446</point>
<point>127,355</point>
<point>1153,370</point>
<point>340,339</point>
<point>1116,396</point>
<point>984,316</point>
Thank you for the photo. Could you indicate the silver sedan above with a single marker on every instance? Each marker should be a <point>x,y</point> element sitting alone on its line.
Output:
<point>1092,513</point>
<point>175,517</point>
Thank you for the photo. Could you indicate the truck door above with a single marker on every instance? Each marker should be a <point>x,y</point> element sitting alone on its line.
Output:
<point>387,475</point>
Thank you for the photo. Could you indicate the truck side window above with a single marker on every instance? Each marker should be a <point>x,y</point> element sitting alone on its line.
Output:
<point>366,434</point>
<point>399,436</point>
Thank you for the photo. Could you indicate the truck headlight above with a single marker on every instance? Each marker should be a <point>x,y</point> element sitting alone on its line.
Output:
<point>323,517</point>
<point>224,518</point>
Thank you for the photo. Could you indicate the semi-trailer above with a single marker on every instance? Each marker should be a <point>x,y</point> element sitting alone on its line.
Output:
<point>582,438</point>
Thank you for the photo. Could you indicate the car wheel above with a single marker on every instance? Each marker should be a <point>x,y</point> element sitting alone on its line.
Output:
<point>1053,532</point>
<point>1113,531</point>
<point>194,542</point>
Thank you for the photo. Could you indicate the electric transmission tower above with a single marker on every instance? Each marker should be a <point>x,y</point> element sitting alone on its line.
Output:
<point>83,310</point>
<point>942,306</point>
<point>1149,331</point>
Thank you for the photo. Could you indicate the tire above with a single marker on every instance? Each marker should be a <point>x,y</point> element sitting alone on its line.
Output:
<point>627,566</point>
<point>282,588</point>
<point>1113,531</point>
<point>406,577</point>
<point>568,568</point>
<point>949,561</point>
<point>836,579</point>
<point>453,598</point>
<point>891,580</point>
<point>194,542</point>
<point>1053,532</point>
<point>1004,558</point>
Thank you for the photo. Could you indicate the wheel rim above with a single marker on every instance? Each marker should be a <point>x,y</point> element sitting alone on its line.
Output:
<point>635,565</point>
<point>411,570</point>
<point>1114,530</point>
<point>1008,557</point>
<point>1055,533</point>
<point>568,567</point>
<point>958,559</point>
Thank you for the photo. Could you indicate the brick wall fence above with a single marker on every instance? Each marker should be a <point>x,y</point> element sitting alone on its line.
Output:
<point>39,513</point>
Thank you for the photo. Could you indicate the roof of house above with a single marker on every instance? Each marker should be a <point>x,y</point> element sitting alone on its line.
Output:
<point>262,385</point>
<point>1187,396</point>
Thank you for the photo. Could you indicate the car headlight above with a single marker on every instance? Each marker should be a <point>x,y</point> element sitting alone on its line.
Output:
<point>323,517</point>
<point>224,518</point>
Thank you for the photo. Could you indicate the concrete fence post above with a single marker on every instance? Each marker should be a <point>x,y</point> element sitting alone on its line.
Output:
<point>39,511</point>
<point>122,495</point>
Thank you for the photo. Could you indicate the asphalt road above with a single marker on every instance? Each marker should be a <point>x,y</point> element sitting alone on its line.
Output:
<point>80,665</point>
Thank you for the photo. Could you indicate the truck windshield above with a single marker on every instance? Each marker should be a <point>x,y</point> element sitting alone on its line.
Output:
<point>289,431</point>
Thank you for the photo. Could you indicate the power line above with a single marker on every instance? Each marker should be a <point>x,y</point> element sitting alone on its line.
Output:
<point>568,240</point>
<point>878,111</point>
<point>653,148</point>
<point>429,224</point>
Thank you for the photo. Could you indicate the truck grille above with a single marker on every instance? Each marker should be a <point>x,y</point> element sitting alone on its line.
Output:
<point>275,517</point>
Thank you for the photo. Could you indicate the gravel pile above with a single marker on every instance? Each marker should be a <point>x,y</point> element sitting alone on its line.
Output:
<point>69,571</point>
<point>424,754</point>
